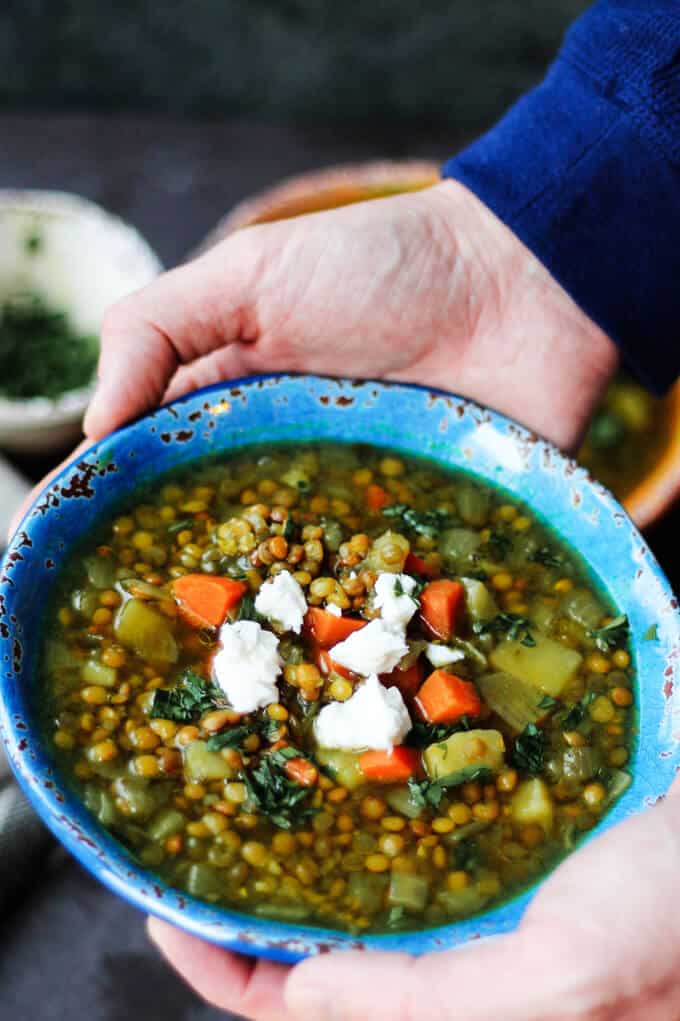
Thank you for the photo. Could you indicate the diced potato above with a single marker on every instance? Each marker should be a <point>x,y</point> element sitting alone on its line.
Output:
<point>95,672</point>
<point>532,803</point>
<point>514,699</point>
<point>480,603</point>
<point>548,665</point>
<point>342,765</point>
<point>202,764</point>
<point>297,478</point>
<point>146,632</point>
<point>462,754</point>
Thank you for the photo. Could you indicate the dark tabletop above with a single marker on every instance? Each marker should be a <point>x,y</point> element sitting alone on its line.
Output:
<point>71,949</point>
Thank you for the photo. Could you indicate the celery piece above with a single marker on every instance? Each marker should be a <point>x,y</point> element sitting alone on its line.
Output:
<point>283,912</point>
<point>467,901</point>
<point>204,881</point>
<point>547,665</point>
<point>342,765</point>
<point>141,800</point>
<point>146,632</point>
<point>368,890</point>
<point>514,699</point>
<point>580,763</point>
<point>481,605</point>
<point>408,891</point>
<point>101,571</point>
<point>401,800</point>
<point>166,824</point>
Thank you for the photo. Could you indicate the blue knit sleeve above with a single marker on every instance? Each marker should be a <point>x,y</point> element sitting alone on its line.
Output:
<point>585,169</point>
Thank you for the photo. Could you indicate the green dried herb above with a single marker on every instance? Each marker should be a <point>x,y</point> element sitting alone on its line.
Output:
<point>41,355</point>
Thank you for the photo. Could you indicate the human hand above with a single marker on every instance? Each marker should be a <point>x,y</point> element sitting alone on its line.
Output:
<point>428,287</point>
<point>600,942</point>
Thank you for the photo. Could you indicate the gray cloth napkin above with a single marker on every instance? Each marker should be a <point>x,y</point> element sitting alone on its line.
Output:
<point>23,839</point>
<point>24,843</point>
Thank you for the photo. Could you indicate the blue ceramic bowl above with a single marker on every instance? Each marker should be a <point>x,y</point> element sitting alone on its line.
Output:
<point>454,433</point>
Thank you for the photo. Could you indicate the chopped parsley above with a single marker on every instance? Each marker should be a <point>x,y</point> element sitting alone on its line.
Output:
<point>575,715</point>
<point>512,625</point>
<point>192,697</point>
<point>428,522</point>
<point>612,634</point>
<point>547,557</point>
<point>528,752</point>
<point>500,543</point>
<point>399,589</point>
<point>429,793</point>
<point>289,528</point>
<point>246,609</point>
<point>179,526</point>
<point>651,634</point>
<point>273,794</point>
<point>41,352</point>
<point>423,734</point>
<point>234,737</point>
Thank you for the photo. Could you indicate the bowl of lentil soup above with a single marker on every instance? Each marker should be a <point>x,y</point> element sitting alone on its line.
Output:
<point>292,690</point>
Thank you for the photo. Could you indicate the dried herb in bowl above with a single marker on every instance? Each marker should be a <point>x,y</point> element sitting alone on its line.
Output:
<point>41,355</point>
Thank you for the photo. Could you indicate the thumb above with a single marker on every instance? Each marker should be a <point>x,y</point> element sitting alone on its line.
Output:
<point>180,317</point>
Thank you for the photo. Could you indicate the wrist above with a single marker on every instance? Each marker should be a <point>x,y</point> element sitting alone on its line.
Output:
<point>558,360</point>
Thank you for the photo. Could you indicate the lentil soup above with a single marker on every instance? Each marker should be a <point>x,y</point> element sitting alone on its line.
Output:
<point>334,685</point>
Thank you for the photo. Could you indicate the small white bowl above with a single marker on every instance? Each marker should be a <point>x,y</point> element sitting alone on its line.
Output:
<point>85,261</point>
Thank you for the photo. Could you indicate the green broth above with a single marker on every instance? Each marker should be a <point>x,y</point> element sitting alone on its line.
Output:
<point>247,811</point>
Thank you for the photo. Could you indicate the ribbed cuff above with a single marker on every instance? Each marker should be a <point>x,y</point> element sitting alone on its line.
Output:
<point>569,172</point>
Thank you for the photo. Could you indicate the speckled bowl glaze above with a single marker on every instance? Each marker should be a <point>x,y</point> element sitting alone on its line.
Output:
<point>450,430</point>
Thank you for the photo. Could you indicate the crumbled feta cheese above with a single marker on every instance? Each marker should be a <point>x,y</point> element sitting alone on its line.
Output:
<point>375,649</point>
<point>374,717</point>
<point>247,665</point>
<point>442,655</point>
<point>392,596</point>
<point>333,609</point>
<point>282,601</point>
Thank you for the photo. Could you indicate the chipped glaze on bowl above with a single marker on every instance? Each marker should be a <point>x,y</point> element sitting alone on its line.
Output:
<point>452,431</point>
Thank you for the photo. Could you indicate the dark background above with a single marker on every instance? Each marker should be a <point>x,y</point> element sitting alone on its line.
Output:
<point>458,61</point>
<point>169,113</point>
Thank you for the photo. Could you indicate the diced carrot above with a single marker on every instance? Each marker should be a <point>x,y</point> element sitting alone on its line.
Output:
<point>301,771</point>
<point>390,767</point>
<point>326,664</point>
<point>444,698</point>
<point>204,599</point>
<point>408,681</point>
<point>376,497</point>
<point>328,630</point>
<point>441,605</point>
<point>416,565</point>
